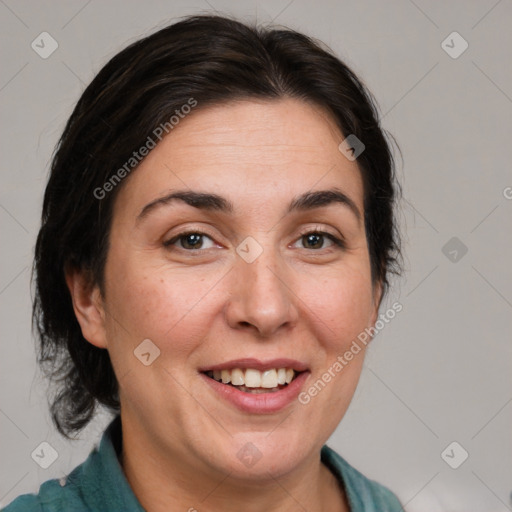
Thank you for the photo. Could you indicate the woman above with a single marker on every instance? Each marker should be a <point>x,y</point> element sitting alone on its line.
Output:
<point>217,232</point>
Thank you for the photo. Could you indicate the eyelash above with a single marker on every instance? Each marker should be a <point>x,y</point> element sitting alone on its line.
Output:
<point>170,242</point>
<point>338,242</point>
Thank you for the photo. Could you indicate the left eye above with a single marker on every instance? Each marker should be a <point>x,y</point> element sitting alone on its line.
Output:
<point>315,239</point>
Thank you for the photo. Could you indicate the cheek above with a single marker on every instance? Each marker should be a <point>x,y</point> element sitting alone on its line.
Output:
<point>342,306</point>
<point>158,303</point>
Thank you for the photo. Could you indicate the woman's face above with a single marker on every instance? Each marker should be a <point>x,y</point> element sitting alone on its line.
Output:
<point>244,289</point>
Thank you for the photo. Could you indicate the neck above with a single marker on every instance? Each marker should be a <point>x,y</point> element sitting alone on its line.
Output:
<point>163,481</point>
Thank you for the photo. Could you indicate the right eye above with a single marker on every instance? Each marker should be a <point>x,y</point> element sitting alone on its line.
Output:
<point>189,240</point>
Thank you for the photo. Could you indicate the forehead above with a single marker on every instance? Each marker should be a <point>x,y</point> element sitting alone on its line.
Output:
<point>266,129</point>
<point>246,149</point>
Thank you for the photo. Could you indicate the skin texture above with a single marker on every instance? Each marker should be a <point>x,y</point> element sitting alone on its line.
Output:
<point>296,300</point>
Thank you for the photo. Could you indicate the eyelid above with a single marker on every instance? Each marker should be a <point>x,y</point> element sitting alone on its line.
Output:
<point>321,230</point>
<point>336,238</point>
<point>188,231</point>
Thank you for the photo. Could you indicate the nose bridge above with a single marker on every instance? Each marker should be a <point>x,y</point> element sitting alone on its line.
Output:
<point>261,296</point>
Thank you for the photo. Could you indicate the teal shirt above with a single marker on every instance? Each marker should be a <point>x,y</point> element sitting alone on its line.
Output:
<point>99,485</point>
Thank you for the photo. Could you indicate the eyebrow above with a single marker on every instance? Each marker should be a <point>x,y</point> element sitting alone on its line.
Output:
<point>214,202</point>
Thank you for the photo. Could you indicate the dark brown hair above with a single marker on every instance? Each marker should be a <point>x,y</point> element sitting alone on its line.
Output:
<point>211,59</point>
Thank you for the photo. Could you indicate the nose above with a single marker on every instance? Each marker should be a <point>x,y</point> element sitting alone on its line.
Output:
<point>262,299</point>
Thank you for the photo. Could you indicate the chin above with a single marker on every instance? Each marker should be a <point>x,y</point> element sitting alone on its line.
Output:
<point>260,456</point>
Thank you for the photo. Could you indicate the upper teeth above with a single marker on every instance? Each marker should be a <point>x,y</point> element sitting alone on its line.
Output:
<point>254,378</point>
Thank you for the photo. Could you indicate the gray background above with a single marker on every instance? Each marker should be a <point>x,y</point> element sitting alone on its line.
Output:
<point>441,370</point>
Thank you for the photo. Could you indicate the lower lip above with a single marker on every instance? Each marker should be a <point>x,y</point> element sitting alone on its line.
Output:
<point>261,403</point>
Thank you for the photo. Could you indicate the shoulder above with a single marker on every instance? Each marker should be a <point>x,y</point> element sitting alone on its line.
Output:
<point>53,496</point>
<point>66,494</point>
<point>24,503</point>
<point>98,484</point>
<point>363,494</point>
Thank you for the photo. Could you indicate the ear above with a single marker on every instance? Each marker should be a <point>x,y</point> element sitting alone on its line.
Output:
<point>88,306</point>
<point>377,298</point>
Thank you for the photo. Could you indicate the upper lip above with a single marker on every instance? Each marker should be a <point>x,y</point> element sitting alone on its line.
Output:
<point>257,364</point>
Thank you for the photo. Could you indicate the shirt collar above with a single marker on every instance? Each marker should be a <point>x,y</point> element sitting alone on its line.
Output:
<point>105,486</point>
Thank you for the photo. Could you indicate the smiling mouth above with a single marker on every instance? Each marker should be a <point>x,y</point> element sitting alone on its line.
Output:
<point>253,381</point>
